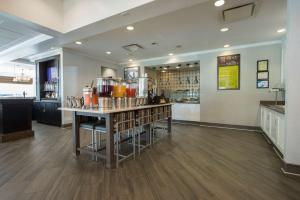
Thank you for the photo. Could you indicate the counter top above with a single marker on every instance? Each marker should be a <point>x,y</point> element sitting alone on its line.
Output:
<point>16,99</point>
<point>279,107</point>
<point>108,111</point>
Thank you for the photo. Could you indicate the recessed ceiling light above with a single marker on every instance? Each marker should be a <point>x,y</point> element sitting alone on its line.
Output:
<point>224,29</point>
<point>281,30</point>
<point>163,71</point>
<point>171,54</point>
<point>219,3</point>
<point>130,28</point>
<point>108,52</point>
<point>130,60</point>
<point>226,45</point>
<point>78,42</point>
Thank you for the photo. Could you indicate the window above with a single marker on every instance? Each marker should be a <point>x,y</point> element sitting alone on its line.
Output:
<point>15,79</point>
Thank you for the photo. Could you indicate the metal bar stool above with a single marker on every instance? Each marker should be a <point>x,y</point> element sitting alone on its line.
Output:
<point>124,125</point>
<point>143,118</point>
<point>160,115</point>
<point>89,125</point>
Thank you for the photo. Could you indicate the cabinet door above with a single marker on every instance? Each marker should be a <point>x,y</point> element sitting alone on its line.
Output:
<point>267,120</point>
<point>274,127</point>
<point>262,118</point>
<point>281,133</point>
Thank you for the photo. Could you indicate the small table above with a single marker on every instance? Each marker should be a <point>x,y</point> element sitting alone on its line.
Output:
<point>108,114</point>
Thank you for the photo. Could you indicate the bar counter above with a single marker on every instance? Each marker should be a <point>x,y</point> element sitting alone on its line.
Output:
<point>15,118</point>
<point>108,114</point>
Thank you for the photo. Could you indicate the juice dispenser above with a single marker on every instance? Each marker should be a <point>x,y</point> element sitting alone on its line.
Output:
<point>131,89</point>
<point>105,89</point>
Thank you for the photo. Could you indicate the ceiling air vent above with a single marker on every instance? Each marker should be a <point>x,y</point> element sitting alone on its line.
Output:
<point>238,13</point>
<point>132,47</point>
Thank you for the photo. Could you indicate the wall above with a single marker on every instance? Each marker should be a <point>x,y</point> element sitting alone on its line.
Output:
<point>239,107</point>
<point>78,71</point>
<point>292,150</point>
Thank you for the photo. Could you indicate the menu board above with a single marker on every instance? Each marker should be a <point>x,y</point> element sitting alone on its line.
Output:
<point>229,72</point>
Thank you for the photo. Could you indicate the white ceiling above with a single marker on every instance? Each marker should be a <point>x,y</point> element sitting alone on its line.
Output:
<point>10,36</point>
<point>196,28</point>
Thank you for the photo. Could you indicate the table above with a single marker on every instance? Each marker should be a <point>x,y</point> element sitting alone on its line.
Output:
<point>108,114</point>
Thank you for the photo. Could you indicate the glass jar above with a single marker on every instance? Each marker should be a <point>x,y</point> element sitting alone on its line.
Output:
<point>119,89</point>
<point>105,87</point>
<point>131,89</point>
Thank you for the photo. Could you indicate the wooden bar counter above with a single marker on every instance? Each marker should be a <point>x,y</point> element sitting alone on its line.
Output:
<point>15,118</point>
<point>108,114</point>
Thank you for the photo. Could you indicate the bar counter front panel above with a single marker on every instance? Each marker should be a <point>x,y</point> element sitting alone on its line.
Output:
<point>108,114</point>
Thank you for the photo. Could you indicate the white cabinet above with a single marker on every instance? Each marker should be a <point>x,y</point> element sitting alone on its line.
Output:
<point>272,123</point>
<point>186,112</point>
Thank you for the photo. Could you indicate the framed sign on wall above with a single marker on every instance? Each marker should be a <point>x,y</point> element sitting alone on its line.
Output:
<point>131,73</point>
<point>229,72</point>
<point>262,75</point>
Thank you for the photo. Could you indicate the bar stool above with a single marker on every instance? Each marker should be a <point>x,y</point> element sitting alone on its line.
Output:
<point>89,125</point>
<point>99,129</point>
<point>143,118</point>
<point>160,114</point>
<point>124,125</point>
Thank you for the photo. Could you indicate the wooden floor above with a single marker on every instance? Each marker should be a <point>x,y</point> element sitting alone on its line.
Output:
<point>196,163</point>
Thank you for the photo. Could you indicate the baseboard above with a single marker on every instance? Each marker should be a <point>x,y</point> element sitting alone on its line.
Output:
<point>66,125</point>
<point>16,136</point>
<point>291,169</point>
<point>218,125</point>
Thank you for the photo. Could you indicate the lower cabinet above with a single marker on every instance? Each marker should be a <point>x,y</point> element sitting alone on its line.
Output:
<point>272,123</point>
<point>47,113</point>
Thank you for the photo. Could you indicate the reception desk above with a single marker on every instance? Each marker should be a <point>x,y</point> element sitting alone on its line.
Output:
<point>15,118</point>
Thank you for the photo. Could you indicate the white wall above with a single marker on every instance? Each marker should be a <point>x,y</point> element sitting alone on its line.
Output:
<point>239,107</point>
<point>231,107</point>
<point>78,71</point>
<point>291,62</point>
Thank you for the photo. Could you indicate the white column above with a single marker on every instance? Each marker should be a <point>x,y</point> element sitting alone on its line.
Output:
<point>292,64</point>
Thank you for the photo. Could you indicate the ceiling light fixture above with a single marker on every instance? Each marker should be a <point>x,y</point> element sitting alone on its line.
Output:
<point>108,52</point>
<point>130,28</point>
<point>171,54</point>
<point>219,3</point>
<point>226,45</point>
<point>281,30</point>
<point>224,29</point>
<point>78,42</point>
<point>130,60</point>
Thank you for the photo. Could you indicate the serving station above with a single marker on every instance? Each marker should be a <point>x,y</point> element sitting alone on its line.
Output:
<point>112,119</point>
<point>123,112</point>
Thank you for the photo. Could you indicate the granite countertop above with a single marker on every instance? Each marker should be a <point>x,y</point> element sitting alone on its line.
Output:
<point>279,107</point>
<point>107,111</point>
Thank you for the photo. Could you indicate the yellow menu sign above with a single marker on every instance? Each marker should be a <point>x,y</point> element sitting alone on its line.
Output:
<point>228,77</point>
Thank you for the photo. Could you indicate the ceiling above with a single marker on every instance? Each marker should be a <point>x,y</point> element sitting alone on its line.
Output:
<point>195,28</point>
<point>10,36</point>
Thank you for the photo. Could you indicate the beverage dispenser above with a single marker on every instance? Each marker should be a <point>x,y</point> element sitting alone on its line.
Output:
<point>105,89</point>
